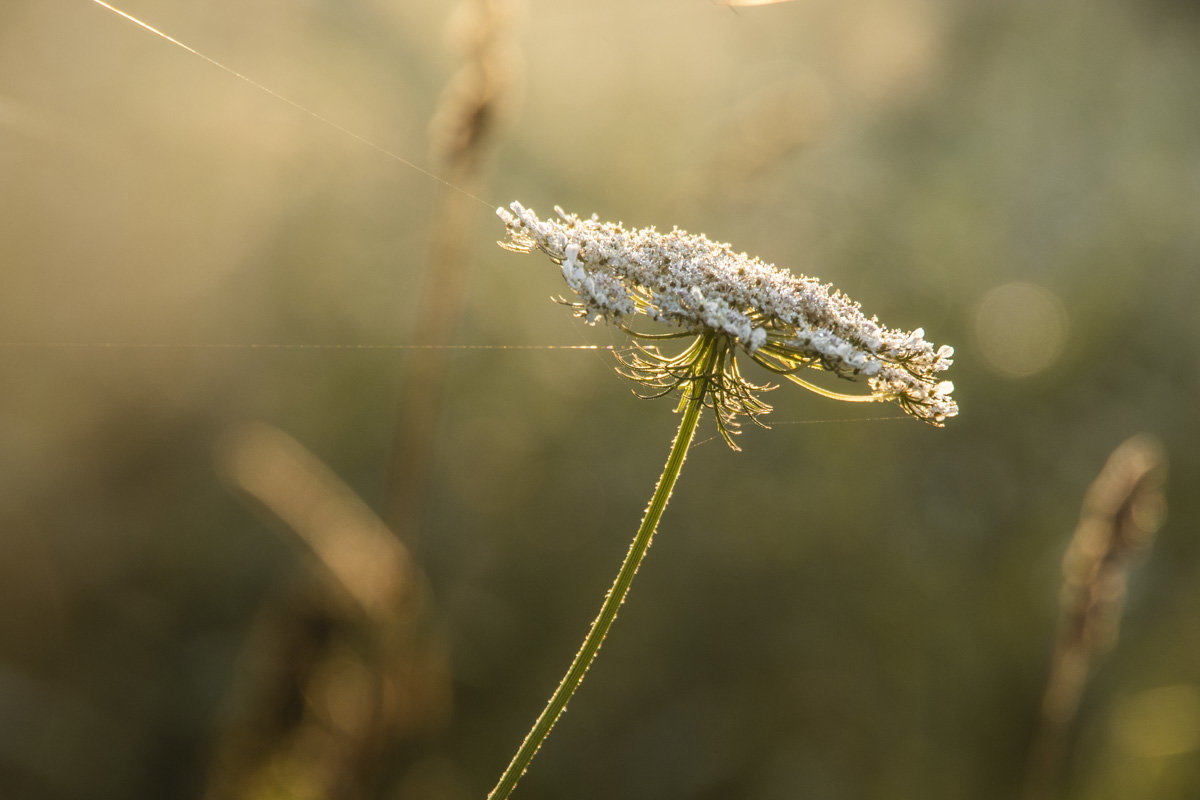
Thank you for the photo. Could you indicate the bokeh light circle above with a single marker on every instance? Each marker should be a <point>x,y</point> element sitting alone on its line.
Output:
<point>1021,328</point>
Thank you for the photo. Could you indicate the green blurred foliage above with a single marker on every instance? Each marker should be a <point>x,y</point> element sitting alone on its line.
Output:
<point>847,609</point>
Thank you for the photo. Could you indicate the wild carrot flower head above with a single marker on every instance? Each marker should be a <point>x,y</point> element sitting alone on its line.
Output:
<point>734,302</point>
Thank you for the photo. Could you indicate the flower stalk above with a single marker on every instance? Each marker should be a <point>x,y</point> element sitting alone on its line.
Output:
<point>698,383</point>
<point>728,305</point>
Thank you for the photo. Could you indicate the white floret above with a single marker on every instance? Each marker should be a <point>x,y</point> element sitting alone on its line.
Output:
<point>695,283</point>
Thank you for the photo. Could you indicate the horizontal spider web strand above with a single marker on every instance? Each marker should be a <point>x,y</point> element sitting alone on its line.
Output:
<point>288,346</point>
<point>830,421</point>
<point>775,423</point>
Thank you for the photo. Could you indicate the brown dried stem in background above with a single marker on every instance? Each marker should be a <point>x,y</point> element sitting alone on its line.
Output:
<point>350,667</point>
<point>1122,510</point>
<point>345,669</point>
<point>470,106</point>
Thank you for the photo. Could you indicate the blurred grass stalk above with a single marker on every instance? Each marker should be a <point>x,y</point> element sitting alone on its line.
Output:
<point>337,674</point>
<point>1122,510</point>
<point>351,668</point>
<point>470,105</point>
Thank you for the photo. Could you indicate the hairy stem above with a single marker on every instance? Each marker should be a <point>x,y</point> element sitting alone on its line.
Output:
<point>693,403</point>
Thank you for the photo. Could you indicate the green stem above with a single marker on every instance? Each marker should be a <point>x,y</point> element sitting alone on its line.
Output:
<point>693,403</point>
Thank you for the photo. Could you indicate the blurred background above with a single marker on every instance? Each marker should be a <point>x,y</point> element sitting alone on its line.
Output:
<point>197,595</point>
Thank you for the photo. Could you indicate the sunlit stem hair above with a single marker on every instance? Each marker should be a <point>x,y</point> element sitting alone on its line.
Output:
<point>720,304</point>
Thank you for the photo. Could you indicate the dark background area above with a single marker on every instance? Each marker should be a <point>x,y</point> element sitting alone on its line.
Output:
<point>856,606</point>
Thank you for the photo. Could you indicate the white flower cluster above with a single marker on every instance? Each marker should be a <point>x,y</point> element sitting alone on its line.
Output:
<point>783,321</point>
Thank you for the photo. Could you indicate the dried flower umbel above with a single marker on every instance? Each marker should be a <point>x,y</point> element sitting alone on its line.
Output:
<point>783,322</point>
<point>725,302</point>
